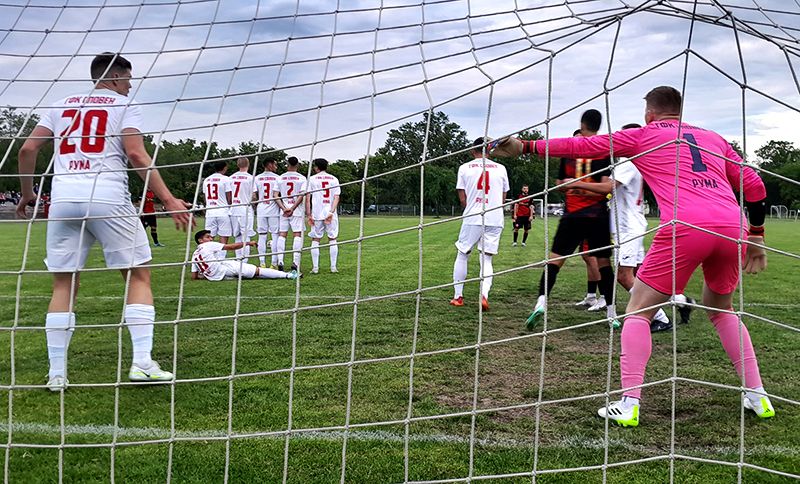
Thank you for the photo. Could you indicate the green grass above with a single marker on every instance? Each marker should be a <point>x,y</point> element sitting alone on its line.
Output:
<point>707,419</point>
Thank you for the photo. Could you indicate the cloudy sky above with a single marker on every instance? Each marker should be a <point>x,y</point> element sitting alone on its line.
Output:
<point>299,76</point>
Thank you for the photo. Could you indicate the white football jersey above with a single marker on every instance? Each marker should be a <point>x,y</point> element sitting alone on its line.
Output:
<point>291,185</point>
<point>265,185</point>
<point>241,192</point>
<point>214,188</point>
<point>322,187</point>
<point>206,260</point>
<point>484,190</point>
<point>90,162</point>
<point>627,207</point>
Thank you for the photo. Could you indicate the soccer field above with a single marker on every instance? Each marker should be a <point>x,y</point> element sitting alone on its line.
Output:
<point>400,370</point>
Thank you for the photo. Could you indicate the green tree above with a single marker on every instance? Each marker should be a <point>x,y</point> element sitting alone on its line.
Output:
<point>782,158</point>
<point>14,128</point>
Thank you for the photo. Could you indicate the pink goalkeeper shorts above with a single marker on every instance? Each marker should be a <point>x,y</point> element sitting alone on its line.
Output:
<point>719,258</point>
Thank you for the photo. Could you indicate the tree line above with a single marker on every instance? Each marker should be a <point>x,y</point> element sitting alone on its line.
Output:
<point>446,144</point>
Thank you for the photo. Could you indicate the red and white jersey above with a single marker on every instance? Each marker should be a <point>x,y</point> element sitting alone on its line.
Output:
<point>291,185</point>
<point>214,188</point>
<point>206,260</point>
<point>322,187</point>
<point>241,192</point>
<point>90,162</point>
<point>266,184</point>
<point>484,190</point>
<point>627,206</point>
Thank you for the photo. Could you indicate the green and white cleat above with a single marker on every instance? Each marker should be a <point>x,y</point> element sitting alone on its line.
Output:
<point>293,275</point>
<point>616,413</point>
<point>151,373</point>
<point>763,407</point>
<point>57,383</point>
<point>615,323</point>
<point>534,318</point>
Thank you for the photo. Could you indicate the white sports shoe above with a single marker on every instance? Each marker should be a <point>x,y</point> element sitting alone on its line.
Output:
<point>587,301</point>
<point>513,244</point>
<point>151,373</point>
<point>763,407</point>
<point>599,304</point>
<point>617,413</point>
<point>334,270</point>
<point>57,383</point>
<point>315,270</point>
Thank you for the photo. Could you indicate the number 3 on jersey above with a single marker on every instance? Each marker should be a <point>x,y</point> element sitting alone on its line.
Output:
<point>93,131</point>
<point>483,182</point>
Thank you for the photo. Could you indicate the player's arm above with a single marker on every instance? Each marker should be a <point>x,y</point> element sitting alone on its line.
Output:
<point>229,193</point>
<point>604,187</point>
<point>334,206</point>
<point>755,195</point>
<point>27,165</point>
<point>625,143</point>
<point>133,144</point>
<point>239,245</point>
<point>514,213</point>
<point>462,197</point>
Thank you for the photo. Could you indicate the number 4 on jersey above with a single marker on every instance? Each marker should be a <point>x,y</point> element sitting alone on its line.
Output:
<point>483,182</point>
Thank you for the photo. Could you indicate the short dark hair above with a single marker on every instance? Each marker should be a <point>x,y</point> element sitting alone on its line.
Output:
<point>199,235</point>
<point>632,126</point>
<point>664,99</point>
<point>592,119</point>
<point>218,165</point>
<point>576,132</point>
<point>320,163</point>
<point>107,62</point>
<point>292,161</point>
<point>477,145</point>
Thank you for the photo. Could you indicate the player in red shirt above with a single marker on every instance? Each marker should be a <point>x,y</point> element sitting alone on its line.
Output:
<point>523,216</point>
<point>149,216</point>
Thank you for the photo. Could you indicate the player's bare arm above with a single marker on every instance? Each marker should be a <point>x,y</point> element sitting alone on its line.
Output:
<point>27,165</point>
<point>308,209</point>
<point>239,245</point>
<point>604,187</point>
<point>133,144</point>
<point>462,197</point>
<point>334,206</point>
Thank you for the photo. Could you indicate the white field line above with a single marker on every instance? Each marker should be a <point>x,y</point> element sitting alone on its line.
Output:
<point>571,442</point>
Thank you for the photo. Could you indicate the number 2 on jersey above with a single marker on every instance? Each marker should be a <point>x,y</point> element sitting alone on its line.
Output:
<point>93,131</point>
<point>483,182</point>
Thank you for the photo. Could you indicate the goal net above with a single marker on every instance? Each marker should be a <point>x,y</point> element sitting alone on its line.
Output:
<point>368,375</point>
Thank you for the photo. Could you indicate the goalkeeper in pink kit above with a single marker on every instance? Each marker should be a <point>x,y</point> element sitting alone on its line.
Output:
<point>708,221</point>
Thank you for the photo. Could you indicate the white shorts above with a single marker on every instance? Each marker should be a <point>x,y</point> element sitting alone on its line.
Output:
<point>233,267</point>
<point>296,224</point>
<point>631,249</point>
<point>120,233</point>
<point>487,241</point>
<point>268,225</point>
<point>242,224</point>
<point>320,228</point>
<point>219,226</point>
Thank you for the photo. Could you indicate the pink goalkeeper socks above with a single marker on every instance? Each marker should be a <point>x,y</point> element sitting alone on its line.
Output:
<point>636,349</point>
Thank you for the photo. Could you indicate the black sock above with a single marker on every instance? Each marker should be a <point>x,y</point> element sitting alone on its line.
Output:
<point>524,236</point>
<point>607,283</point>
<point>552,272</point>
<point>155,236</point>
<point>591,287</point>
<point>515,236</point>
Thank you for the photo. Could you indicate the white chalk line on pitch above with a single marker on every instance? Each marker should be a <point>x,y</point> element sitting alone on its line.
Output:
<point>571,442</point>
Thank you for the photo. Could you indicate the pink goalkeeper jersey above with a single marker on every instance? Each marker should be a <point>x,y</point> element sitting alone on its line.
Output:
<point>706,183</point>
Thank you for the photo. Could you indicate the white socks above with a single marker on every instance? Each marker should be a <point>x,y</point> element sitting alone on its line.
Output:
<point>488,271</point>
<point>315,254</point>
<point>334,252</point>
<point>680,299</point>
<point>297,245</point>
<point>281,247</point>
<point>58,329</point>
<point>273,246</point>
<point>270,274</point>
<point>262,248</point>
<point>629,402</point>
<point>540,301</point>
<point>139,319</point>
<point>755,397</point>
<point>244,252</point>
<point>460,273</point>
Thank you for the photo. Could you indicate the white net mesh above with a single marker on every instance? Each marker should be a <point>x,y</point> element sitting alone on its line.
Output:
<point>368,375</point>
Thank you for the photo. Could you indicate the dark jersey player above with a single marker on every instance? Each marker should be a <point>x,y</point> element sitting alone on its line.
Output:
<point>523,214</point>
<point>149,216</point>
<point>585,218</point>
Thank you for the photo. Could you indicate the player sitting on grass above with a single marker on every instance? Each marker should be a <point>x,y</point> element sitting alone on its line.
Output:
<point>208,262</point>
<point>707,233</point>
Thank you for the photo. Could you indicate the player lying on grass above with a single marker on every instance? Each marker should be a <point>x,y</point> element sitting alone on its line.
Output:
<point>208,262</point>
<point>709,224</point>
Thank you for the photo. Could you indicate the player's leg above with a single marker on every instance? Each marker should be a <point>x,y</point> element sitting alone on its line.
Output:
<point>250,271</point>
<point>332,230</point>
<point>273,224</point>
<point>280,246</point>
<point>468,236</point>
<point>315,233</point>
<point>599,241</point>
<point>154,231</point>
<point>566,240</point>
<point>488,246</point>
<point>59,326</point>
<point>297,247</point>
<point>516,232</point>
<point>721,276</point>
<point>526,227</point>
<point>262,228</point>
<point>237,232</point>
